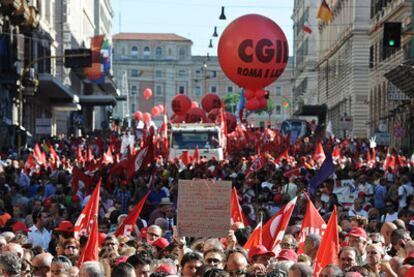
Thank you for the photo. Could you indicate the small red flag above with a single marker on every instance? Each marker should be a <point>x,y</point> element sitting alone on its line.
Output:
<point>39,155</point>
<point>196,156</point>
<point>185,158</point>
<point>319,154</point>
<point>307,29</point>
<point>89,155</point>
<point>88,214</point>
<point>255,237</point>
<point>129,222</point>
<point>30,162</point>
<point>329,247</point>
<point>313,223</point>
<point>107,157</point>
<point>79,155</point>
<point>275,227</point>
<point>237,214</point>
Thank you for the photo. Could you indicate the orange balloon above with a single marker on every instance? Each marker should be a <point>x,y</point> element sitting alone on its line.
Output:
<point>146,117</point>
<point>147,93</point>
<point>181,104</point>
<point>253,51</point>
<point>155,111</point>
<point>161,108</point>
<point>138,115</point>
<point>210,101</point>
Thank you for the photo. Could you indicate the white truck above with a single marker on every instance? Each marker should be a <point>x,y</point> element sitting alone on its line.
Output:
<point>185,137</point>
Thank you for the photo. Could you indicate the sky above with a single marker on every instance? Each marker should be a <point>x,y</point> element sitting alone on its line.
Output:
<point>196,19</point>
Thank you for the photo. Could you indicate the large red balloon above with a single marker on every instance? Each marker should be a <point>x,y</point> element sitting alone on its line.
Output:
<point>177,118</point>
<point>147,93</point>
<point>252,104</point>
<point>213,114</point>
<point>195,115</point>
<point>138,115</point>
<point>253,51</point>
<point>210,101</point>
<point>146,117</point>
<point>181,104</point>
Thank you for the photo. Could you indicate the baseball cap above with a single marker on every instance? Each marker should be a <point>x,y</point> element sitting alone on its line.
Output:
<point>260,250</point>
<point>166,268</point>
<point>358,232</point>
<point>287,255</point>
<point>161,243</point>
<point>65,226</point>
<point>20,226</point>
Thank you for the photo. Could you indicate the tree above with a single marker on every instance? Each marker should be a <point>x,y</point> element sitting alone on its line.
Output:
<point>231,100</point>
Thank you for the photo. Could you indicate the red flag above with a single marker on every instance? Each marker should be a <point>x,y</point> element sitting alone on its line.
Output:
<point>274,229</point>
<point>389,161</point>
<point>196,156</point>
<point>313,223</point>
<point>87,225</point>
<point>256,165</point>
<point>237,214</point>
<point>307,29</point>
<point>185,158</point>
<point>89,155</point>
<point>284,155</point>
<point>255,237</point>
<point>107,157</point>
<point>53,155</point>
<point>295,171</point>
<point>143,157</point>
<point>39,155</point>
<point>78,175</point>
<point>329,247</point>
<point>30,162</point>
<point>129,222</point>
<point>79,155</point>
<point>319,154</point>
<point>336,153</point>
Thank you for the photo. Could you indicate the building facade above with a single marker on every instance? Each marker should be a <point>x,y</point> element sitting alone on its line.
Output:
<point>390,107</point>
<point>305,52</point>
<point>164,63</point>
<point>343,67</point>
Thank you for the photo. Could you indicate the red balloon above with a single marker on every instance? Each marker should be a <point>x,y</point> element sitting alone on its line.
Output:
<point>213,114</point>
<point>210,101</point>
<point>138,115</point>
<point>194,104</point>
<point>177,118</point>
<point>161,108</point>
<point>253,51</point>
<point>249,94</point>
<point>260,94</point>
<point>181,104</point>
<point>252,104</point>
<point>231,121</point>
<point>155,111</point>
<point>263,103</point>
<point>147,93</point>
<point>195,115</point>
<point>146,117</point>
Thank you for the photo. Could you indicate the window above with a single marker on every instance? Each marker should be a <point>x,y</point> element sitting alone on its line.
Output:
<point>158,90</point>
<point>198,74</point>
<point>134,52</point>
<point>181,53</point>
<point>213,89</point>
<point>278,90</point>
<point>123,51</point>
<point>158,53</point>
<point>134,90</point>
<point>181,73</point>
<point>230,89</point>
<point>197,91</point>
<point>132,107</point>
<point>158,73</point>
<point>181,89</point>
<point>213,74</point>
<point>169,52</point>
<point>278,109</point>
<point>147,52</point>
<point>134,73</point>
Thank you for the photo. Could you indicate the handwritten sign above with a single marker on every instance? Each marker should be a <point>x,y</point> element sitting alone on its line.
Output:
<point>203,208</point>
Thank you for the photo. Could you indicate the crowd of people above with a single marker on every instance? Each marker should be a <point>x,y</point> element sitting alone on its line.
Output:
<point>42,200</point>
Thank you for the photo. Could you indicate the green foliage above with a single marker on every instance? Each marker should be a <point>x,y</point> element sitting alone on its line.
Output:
<point>231,101</point>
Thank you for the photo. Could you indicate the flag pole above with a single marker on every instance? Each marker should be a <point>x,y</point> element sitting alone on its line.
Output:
<point>261,229</point>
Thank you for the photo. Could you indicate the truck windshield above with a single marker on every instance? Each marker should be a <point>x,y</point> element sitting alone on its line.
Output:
<point>189,140</point>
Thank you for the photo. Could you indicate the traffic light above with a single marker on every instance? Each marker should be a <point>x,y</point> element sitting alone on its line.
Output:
<point>392,34</point>
<point>78,58</point>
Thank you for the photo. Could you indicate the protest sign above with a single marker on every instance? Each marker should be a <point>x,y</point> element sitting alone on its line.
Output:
<point>203,208</point>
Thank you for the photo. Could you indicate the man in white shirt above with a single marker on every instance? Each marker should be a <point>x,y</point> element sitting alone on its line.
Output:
<point>404,190</point>
<point>38,234</point>
<point>357,209</point>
